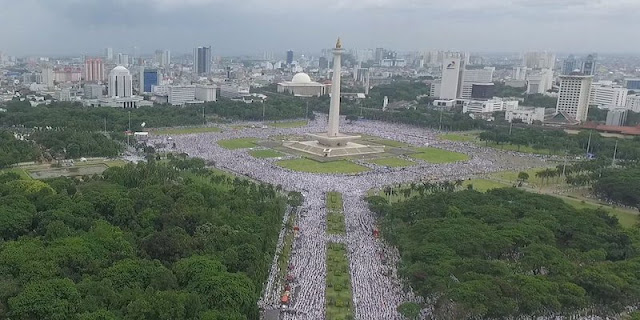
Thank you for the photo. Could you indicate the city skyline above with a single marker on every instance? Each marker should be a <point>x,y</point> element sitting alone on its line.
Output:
<point>247,27</point>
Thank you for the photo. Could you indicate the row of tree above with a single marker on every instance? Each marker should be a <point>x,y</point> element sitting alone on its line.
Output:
<point>510,254</point>
<point>146,241</point>
<point>13,150</point>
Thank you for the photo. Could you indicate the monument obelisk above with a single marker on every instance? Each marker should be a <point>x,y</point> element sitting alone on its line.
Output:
<point>333,143</point>
<point>334,108</point>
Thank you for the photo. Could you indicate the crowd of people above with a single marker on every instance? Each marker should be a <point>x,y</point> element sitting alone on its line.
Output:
<point>376,289</point>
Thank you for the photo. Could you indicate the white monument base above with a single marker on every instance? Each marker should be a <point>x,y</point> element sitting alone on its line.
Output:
<point>333,146</point>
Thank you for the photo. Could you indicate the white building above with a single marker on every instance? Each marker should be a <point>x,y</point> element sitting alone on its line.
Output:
<point>234,91</point>
<point>606,95</point>
<point>489,106</point>
<point>181,95</point>
<point>451,83</point>
<point>633,103</point>
<point>539,60</point>
<point>120,84</point>
<point>47,77</point>
<point>616,117</point>
<point>573,96</point>
<point>519,73</point>
<point>301,85</point>
<point>526,114</point>
<point>474,76</point>
<point>540,82</point>
<point>92,91</point>
<point>63,95</point>
<point>205,93</point>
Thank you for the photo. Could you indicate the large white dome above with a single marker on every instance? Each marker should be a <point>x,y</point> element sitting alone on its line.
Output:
<point>120,70</point>
<point>301,78</point>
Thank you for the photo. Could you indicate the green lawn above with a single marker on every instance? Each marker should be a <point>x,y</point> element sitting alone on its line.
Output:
<point>21,172</point>
<point>483,185</point>
<point>186,130</point>
<point>312,166</point>
<point>240,143</point>
<point>392,162</point>
<point>627,219</point>
<point>335,213</point>
<point>383,141</point>
<point>523,149</point>
<point>289,124</point>
<point>338,293</point>
<point>436,155</point>
<point>266,154</point>
<point>458,137</point>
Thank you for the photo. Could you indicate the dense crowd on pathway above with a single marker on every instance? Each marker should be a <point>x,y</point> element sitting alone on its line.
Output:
<point>377,290</point>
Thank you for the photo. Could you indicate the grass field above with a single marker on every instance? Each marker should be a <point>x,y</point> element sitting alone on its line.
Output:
<point>338,294</point>
<point>383,141</point>
<point>523,149</point>
<point>266,154</point>
<point>240,143</point>
<point>335,213</point>
<point>21,172</point>
<point>458,137</point>
<point>392,162</point>
<point>289,124</point>
<point>627,219</point>
<point>512,176</point>
<point>435,155</point>
<point>483,185</point>
<point>186,130</point>
<point>312,166</point>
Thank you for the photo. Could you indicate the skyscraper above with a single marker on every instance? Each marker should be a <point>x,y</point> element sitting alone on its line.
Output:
<point>323,63</point>
<point>202,60</point>
<point>108,53</point>
<point>148,78</point>
<point>539,60</point>
<point>120,84</point>
<point>163,57</point>
<point>569,65</point>
<point>589,65</point>
<point>289,57</point>
<point>93,70</point>
<point>450,86</point>
<point>573,96</point>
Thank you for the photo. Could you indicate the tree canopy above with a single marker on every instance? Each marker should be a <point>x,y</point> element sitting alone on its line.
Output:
<point>510,253</point>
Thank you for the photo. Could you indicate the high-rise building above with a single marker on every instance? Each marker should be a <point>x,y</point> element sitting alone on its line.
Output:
<point>123,59</point>
<point>93,70</point>
<point>379,54</point>
<point>120,83</point>
<point>632,84</point>
<point>162,57</point>
<point>47,76</point>
<point>589,65</point>
<point>606,95</point>
<point>323,63</point>
<point>540,82</point>
<point>573,96</point>
<point>616,117</point>
<point>569,65</point>
<point>289,57</point>
<point>539,60</point>
<point>202,60</point>
<point>633,103</point>
<point>451,83</point>
<point>205,93</point>
<point>108,53</point>
<point>148,78</point>
<point>475,76</point>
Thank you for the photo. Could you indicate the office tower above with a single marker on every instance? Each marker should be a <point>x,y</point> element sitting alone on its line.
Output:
<point>108,53</point>
<point>148,78</point>
<point>120,83</point>
<point>202,60</point>
<point>570,65</point>
<point>47,76</point>
<point>475,76</point>
<point>519,73</point>
<point>135,52</point>
<point>323,63</point>
<point>93,70</point>
<point>589,65</point>
<point>379,54</point>
<point>573,96</point>
<point>606,95</point>
<point>289,57</point>
<point>540,82</point>
<point>617,117</point>
<point>632,83</point>
<point>452,70</point>
<point>123,59</point>
<point>162,58</point>
<point>539,60</point>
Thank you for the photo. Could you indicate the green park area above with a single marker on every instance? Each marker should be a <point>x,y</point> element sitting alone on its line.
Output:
<point>459,137</point>
<point>240,143</point>
<point>312,166</point>
<point>289,124</point>
<point>366,139</point>
<point>392,162</point>
<point>335,213</point>
<point>338,294</point>
<point>267,153</point>
<point>184,130</point>
<point>436,155</point>
<point>483,185</point>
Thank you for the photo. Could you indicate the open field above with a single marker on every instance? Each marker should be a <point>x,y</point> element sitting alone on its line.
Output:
<point>392,162</point>
<point>627,218</point>
<point>338,293</point>
<point>523,149</point>
<point>382,141</point>
<point>21,172</point>
<point>262,154</point>
<point>312,166</point>
<point>47,173</point>
<point>289,124</point>
<point>184,130</point>
<point>512,177</point>
<point>335,213</point>
<point>459,137</point>
<point>483,185</point>
<point>435,155</point>
<point>240,143</point>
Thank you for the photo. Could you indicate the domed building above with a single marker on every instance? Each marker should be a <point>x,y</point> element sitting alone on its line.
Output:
<point>301,85</point>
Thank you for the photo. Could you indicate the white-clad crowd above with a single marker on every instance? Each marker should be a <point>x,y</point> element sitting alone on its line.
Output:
<point>377,290</point>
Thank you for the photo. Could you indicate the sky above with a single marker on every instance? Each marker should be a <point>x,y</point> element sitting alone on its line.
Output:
<point>234,27</point>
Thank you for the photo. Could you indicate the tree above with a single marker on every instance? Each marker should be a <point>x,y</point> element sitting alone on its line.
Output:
<point>409,310</point>
<point>351,118</point>
<point>55,299</point>
<point>523,176</point>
